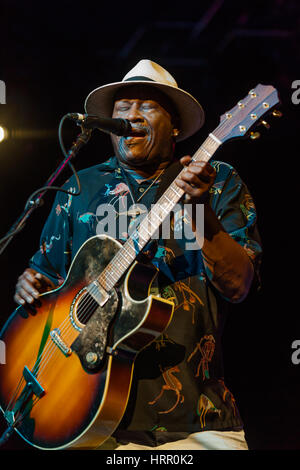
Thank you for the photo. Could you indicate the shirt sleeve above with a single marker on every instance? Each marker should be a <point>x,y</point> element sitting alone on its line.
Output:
<point>235,208</point>
<point>52,258</point>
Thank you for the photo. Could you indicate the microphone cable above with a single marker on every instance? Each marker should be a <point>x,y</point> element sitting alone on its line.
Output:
<point>30,201</point>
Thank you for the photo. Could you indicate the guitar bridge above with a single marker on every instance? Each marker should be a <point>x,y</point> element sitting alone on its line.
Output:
<point>59,342</point>
<point>32,383</point>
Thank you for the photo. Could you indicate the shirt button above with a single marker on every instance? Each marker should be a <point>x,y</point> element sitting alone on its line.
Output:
<point>141,190</point>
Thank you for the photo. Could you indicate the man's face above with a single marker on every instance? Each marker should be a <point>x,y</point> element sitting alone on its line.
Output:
<point>152,142</point>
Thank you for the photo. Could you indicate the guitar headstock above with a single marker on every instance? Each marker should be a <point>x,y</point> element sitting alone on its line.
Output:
<point>248,113</point>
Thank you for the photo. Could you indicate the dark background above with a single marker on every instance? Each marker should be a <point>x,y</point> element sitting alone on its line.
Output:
<point>54,53</point>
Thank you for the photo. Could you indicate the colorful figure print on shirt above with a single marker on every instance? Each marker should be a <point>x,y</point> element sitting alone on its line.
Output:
<point>183,296</point>
<point>46,247</point>
<point>248,208</point>
<point>163,341</point>
<point>206,347</point>
<point>228,397</point>
<point>205,405</point>
<point>120,191</point>
<point>189,298</point>
<point>66,207</point>
<point>171,383</point>
<point>87,218</point>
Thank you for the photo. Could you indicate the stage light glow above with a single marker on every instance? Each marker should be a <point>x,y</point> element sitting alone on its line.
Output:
<point>3,134</point>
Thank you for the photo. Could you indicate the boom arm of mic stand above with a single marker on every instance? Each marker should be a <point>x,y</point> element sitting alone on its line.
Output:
<point>81,140</point>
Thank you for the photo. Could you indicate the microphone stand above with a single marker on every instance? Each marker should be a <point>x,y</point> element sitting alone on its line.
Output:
<point>30,206</point>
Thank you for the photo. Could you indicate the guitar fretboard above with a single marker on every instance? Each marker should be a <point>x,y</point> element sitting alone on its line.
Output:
<point>151,223</point>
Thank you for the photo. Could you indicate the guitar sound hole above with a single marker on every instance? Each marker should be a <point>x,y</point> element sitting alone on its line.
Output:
<point>86,308</point>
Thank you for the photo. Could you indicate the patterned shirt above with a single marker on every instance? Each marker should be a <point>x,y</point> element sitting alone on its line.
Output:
<point>178,383</point>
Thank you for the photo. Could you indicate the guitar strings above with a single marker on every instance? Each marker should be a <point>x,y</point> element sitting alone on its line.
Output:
<point>65,330</point>
<point>63,327</point>
<point>50,347</point>
<point>46,355</point>
<point>84,315</point>
<point>15,393</point>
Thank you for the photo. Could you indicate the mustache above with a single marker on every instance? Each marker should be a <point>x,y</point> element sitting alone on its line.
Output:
<point>139,130</point>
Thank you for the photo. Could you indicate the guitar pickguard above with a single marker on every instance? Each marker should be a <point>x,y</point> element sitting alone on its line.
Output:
<point>92,342</point>
<point>119,316</point>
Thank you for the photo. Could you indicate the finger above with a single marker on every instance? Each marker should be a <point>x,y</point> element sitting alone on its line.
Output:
<point>185,160</point>
<point>29,288</point>
<point>201,168</point>
<point>198,180</point>
<point>195,179</point>
<point>19,299</point>
<point>45,281</point>
<point>211,170</point>
<point>32,278</point>
<point>193,191</point>
<point>205,166</point>
<point>31,273</point>
<point>24,295</point>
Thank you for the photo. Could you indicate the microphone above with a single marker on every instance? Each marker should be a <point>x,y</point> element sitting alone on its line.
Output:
<point>109,125</point>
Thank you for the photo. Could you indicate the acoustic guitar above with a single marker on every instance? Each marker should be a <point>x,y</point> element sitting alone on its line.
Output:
<point>69,366</point>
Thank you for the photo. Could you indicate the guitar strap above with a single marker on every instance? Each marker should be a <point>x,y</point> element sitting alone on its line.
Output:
<point>169,176</point>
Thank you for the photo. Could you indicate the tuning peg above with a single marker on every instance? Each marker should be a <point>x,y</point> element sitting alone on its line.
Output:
<point>265,123</point>
<point>276,113</point>
<point>254,135</point>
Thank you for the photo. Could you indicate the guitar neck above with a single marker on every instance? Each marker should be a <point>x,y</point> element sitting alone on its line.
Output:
<point>235,123</point>
<point>151,223</point>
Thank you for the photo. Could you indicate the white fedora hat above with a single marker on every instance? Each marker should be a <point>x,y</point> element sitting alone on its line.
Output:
<point>190,112</point>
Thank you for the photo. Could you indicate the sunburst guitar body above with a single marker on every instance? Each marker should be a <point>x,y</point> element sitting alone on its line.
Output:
<point>69,364</point>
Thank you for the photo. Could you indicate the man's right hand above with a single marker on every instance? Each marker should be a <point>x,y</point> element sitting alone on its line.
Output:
<point>30,285</point>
